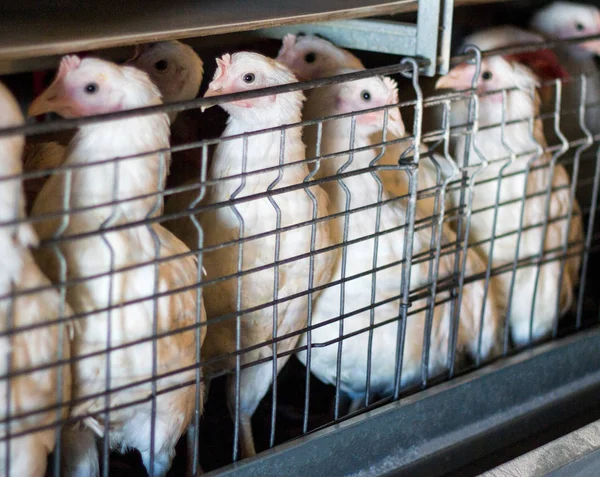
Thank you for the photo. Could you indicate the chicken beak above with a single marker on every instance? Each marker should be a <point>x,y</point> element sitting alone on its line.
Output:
<point>593,46</point>
<point>210,92</point>
<point>51,100</point>
<point>458,78</point>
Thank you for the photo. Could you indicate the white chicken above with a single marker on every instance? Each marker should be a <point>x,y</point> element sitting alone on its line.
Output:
<point>533,301</point>
<point>560,20</point>
<point>544,63</point>
<point>369,210</point>
<point>237,165</point>
<point>27,397</point>
<point>177,71</point>
<point>312,57</point>
<point>120,272</point>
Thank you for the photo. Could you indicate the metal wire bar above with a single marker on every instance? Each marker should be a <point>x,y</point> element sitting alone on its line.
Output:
<point>273,203</point>
<point>409,231</point>
<point>461,259</point>
<point>345,241</point>
<point>194,429</point>
<point>553,160</point>
<point>10,318</point>
<point>588,239</point>
<point>380,190</point>
<point>238,306</point>
<point>572,199</point>
<point>313,236</point>
<point>435,263</point>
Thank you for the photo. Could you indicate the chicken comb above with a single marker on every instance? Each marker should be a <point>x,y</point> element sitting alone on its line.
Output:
<point>392,87</point>
<point>224,61</point>
<point>67,64</point>
<point>288,42</point>
<point>222,64</point>
<point>544,63</point>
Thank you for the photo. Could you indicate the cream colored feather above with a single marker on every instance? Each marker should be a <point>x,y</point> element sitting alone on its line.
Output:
<point>116,269</point>
<point>263,215</point>
<point>372,210</point>
<point>35,392</point>
<point>495,146</point>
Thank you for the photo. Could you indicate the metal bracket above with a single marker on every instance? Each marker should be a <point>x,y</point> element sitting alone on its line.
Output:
<point>423,39</point>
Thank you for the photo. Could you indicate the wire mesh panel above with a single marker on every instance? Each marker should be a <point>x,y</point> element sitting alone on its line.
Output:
<point>322,233</point>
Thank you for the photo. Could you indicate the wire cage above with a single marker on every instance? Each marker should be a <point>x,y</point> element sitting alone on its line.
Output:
<point>385,271</point>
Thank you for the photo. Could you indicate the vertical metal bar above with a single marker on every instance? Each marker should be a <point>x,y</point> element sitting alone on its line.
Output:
<point>552,165</point>
<point>428,23</point>
<point>238,307</point>
<point>62,292</point>
<point>588,239</point>
<point>313,238</point>
<point>348,195</point>
<point>272,201</point>
<point>377,179</point>
<point>438,245</point>
<point>446,36</point>
<point>527,172</point>
<point>490,261</point>
<point>461,253</point>
<point>9,352</point>
<point>107,222</point>
<point>158,206</point>
<point>573,199</point>
<point>10,322</point>
<point>432,276</point>
<point>410,224</point>
<point>198,401</point>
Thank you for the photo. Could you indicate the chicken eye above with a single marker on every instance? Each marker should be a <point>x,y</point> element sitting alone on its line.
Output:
<point>91,88</point>
<point>487,75</point>
<point>365,95</point>
<point>161,65</point>
<point>249,78</point>
<point>579,27</point>
<point>310,57</point>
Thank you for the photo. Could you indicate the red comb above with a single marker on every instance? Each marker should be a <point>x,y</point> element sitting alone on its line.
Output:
<point>544,63</point>
<point>222,64</point>
<point>289,41</point>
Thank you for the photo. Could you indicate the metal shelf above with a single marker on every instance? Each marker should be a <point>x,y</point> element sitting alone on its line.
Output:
<point>68,28</point>
<point>33,29</point>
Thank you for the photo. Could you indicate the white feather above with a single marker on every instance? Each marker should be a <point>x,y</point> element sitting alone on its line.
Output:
<point>258,216</point>
<point>21,351</point>
<point>494,144</point>
<point>364,191</point>
<point>127,255</point>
